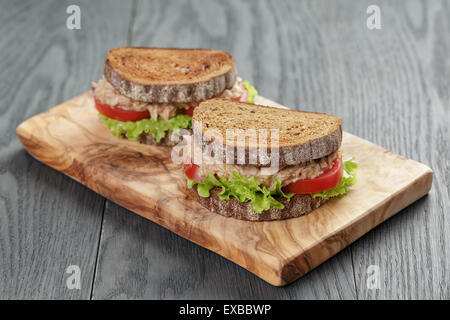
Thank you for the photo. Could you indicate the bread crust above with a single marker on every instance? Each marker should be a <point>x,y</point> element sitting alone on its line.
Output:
<point>298,205</point>
<point>288,155</point>
<point>193,91</point>
<point>146,138</point>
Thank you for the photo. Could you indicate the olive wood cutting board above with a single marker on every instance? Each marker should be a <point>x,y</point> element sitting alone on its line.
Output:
<point>71,138</point>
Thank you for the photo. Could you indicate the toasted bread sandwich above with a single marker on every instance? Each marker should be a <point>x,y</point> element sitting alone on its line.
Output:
<point>148,93</point>
<point>261,163</point>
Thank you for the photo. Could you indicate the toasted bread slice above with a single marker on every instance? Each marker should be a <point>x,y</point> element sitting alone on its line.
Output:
<point>159,75</point>
<point>302,135</point>
<point>298,205</point>
<point>146,138</point>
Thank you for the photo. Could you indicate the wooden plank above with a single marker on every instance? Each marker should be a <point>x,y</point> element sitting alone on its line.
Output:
<point>47,221</point>
<point>251,32</point>
<point>72,139</point>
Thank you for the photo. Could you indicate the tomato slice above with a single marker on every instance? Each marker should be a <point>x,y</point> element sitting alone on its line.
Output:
<point>244,96</point>
<point>191,171</point>
<point>114,112</point>
<point>190,111</point>
<point>330,178</point>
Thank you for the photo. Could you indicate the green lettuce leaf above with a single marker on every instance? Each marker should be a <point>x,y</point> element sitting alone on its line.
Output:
<point>250,190</point>
<point>244,189</point>
<point>157,128</point>
<point>348,179</point>
<point>252,92</point>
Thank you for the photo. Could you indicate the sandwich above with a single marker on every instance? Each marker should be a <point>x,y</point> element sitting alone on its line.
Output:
<point>262,163</point>
<point>146,94</point>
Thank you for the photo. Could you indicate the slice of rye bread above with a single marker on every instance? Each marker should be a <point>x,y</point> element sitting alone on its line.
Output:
<point>299,205</point>
<point>303,135</point>
<point>168,75</point>
<point>146,138</point>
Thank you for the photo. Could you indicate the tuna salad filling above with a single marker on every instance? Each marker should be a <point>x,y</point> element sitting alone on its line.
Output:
<point>307,170</point>
<point>105,93</point>
<point>131,119</point>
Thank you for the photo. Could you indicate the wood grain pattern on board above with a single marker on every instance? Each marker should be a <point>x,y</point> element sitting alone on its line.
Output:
<point>71,138</point>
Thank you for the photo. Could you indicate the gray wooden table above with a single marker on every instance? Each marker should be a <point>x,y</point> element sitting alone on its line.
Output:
<point>389,85</point>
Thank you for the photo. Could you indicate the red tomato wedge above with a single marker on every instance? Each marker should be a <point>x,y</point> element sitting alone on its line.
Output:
<point>244,96</point>
<point>190,111</point>
<point>191,171</point>
<point>330,178</point>
<point>120,114</point>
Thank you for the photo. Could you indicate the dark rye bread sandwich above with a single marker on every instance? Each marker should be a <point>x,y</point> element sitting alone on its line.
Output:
<point>146,94</point>
<point>262,163</point>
